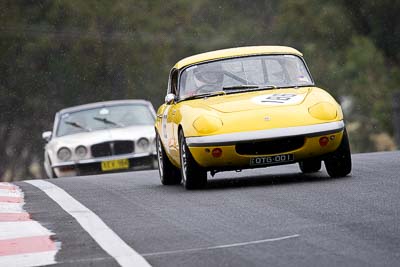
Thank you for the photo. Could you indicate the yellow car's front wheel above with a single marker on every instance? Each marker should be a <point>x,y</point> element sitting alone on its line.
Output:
<point>169,174</point>
<point>338,164</point>
<point>310,166</point>
<point>193,176</point>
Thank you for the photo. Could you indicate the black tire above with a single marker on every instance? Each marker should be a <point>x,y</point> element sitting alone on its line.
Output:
<point>52,174</point>
<point>193,176</point>
<point>338,164</point>
<point>169,174</point>
<point>310,166</point>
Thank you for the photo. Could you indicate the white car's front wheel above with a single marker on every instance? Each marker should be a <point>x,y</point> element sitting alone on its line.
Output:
<point>47,167</point>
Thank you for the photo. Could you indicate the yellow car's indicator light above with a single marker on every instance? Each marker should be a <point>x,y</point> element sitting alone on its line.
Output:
<point>216,152</point>
<point>323,111</point>
<point>323,141</point>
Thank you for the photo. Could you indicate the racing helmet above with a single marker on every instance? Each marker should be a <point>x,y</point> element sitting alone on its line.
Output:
<point>210,73</point>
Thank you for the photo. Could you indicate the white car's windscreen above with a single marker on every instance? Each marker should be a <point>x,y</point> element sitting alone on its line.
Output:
<point>104,118</point>
<point>269,70</point>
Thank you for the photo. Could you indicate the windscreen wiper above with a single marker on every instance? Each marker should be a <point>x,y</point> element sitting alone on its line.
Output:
<point>298,86</point>
<point>248,87</point>
<point>107,121</point>
<point>241,86</point>
<point>77,125</point>
<point>205,95</point>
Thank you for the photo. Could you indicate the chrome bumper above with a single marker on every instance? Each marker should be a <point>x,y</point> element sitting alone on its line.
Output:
<point>234,138</point>
<point>95,160</point>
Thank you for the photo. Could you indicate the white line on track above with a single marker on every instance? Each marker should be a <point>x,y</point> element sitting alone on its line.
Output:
<point>29,259</point>
<point>100,232</point>
<point>221,246</point>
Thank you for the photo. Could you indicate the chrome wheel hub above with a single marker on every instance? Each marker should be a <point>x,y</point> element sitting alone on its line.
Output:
<point>159,157</point>
<point>183,160</point>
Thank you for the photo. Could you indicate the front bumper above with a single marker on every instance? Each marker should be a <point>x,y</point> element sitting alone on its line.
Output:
<point>234,138</point>
<point>137,161</point>
<point>233,158</point>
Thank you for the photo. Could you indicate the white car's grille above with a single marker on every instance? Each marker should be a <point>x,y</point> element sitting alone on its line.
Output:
<point>112,148</point>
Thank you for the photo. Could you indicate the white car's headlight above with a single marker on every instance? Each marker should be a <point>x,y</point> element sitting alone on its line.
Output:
<point>143,143</point>
<point>81,151</point>
<point>64,153</point>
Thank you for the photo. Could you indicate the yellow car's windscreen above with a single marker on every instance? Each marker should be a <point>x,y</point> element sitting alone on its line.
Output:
<point>244,72</point>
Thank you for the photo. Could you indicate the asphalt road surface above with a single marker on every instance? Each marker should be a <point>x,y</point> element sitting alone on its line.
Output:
<point>263,217</point>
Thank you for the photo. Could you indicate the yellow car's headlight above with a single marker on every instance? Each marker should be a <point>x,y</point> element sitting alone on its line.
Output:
<point>323,111</point>
<point>206,124</point>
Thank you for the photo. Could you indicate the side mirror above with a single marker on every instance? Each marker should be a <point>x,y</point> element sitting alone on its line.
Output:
<point>47,136</point>
<point>169,98</point>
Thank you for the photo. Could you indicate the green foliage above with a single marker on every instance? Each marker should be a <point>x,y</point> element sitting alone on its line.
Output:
<point>57,53</point>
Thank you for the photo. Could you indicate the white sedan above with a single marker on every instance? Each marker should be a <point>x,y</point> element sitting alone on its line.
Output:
<point>101,137</point>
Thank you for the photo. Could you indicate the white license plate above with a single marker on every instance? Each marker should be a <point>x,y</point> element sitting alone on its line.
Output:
<point>271,160</point>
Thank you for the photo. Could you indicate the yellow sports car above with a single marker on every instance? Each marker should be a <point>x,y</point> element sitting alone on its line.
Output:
<point>243,108</point>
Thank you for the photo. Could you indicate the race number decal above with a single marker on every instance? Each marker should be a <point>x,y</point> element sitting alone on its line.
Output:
<point>164,122</point>
<point>278,99</point>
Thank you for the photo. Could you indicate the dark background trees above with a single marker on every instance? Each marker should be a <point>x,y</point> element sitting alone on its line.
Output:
<point>55,54</point>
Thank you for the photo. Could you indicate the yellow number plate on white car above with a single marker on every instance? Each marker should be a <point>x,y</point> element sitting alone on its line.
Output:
<point>117,164</point>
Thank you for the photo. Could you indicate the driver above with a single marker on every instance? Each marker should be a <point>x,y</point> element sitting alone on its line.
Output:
<point>208,77</point>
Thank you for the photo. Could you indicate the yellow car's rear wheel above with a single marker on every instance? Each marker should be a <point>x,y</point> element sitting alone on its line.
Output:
<point>193,176</point>
<point>169,174</point>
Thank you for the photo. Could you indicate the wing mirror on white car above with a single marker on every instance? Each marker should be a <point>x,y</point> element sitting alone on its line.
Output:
<point>169,98</point>
<point>47,136</point>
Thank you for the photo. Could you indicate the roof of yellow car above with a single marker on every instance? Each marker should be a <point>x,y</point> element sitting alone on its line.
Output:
<point>235,52</point>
